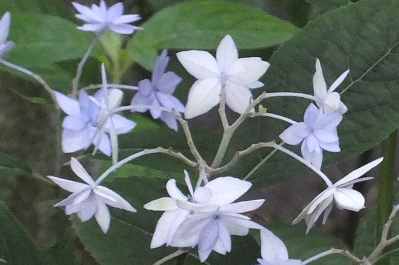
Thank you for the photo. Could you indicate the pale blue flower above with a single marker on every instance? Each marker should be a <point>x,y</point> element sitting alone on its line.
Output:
<point>100,18</point>
<point>90,119</point>
<point>5,46</point>
<point>341,193</point>
<point>274,251</point>
<point>317,132</point>
<point>158,92</point>
<point>235,76</point>
<point>89,199</point>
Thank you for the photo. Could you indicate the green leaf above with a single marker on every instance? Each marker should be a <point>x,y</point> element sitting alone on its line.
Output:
<point>202,25</point>
<point>362,37</point>
<point>12,167</point>
<point>131,233</point>
<point>53,7</point>
<point>16,245</point>
<point>63,253</point>
<point>302,246</point>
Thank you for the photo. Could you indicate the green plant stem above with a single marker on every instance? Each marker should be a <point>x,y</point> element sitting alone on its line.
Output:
<point>385,187</point>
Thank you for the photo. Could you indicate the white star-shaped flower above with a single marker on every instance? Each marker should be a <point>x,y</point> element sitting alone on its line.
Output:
<point>317,132</point>
<point>274,251</point>
<point>89,199</point>
<point>100,18</point>
<point>5,45</point>
<point>328,100</point>
<point>236,76</point>
<point>341,192</point>
<point>207,217</point>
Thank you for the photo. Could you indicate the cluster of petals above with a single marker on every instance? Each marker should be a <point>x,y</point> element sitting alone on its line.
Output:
<point>91,118</point>
<point>99,18</point>
<point>317,132</point>
<point>341,193</point>
<point>328,100</point>
<point>89,199</point>
<point>226,74</point>
<point>5,45</point>
<point>158,92</point>
<point>274,251</point>
<point>206,218</point>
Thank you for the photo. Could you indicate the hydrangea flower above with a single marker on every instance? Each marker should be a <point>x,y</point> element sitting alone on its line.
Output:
<point>158,92</point>
<point>341,192</point>
<point>90,119</point>
<point>274,251</point>
<point>89,199</point>
<point>99,18</point>
<point>5,46</point>
<point>317,132</point>
<point>328,100</point>
<point>206,218</point>
<point>225,73</point>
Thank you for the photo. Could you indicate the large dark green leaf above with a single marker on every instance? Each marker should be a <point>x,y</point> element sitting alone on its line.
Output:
<point>202,25</point>
<point>131,233</point>
<point>16,245</point>
<point>53,7</point>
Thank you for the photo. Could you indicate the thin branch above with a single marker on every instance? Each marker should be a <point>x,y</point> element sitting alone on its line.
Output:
<point>161,150</point>
<point>334,251</point>
<point>171,256</point>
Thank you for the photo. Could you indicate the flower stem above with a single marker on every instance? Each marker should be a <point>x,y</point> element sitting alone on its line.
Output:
<point>75,81</point>
<point>385,186</point>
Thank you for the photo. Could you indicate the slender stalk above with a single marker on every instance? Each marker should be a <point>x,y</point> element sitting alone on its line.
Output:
<point>35,76</point>
<point>96,86</point>
<point>75,81</point>
<point>180,252</point>
<point>333,251</point>
<point>385,187</point>
<point>290,94</point>
<point>161,150</point>
<point>274,116</point>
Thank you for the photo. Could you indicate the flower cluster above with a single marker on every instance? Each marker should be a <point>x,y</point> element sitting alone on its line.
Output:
<point>206,218</point>
<point>208,215</point>
<point>318,131</point>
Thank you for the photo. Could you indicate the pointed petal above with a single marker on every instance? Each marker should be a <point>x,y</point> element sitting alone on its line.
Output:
<point>113,199</point>
<point>319,84</point>
<point>73,140</point>
<point>225,190</point>
<point>103,216</point>
<point>357,173</point>
<point>200,64</point>
<point>237,97</point>
<point>5,27</point>
<point>69,105</point>
<point>226,53</point>
<point>295,134</point>
<point>246,71</point>
<point>273,249</point>
<point>338,81</point>
<point>174,191</point>
<point>69,185</point>
<point>203,95</point>
<point>242,207</point>
<point>161,204</point>
<point>78,169</point>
